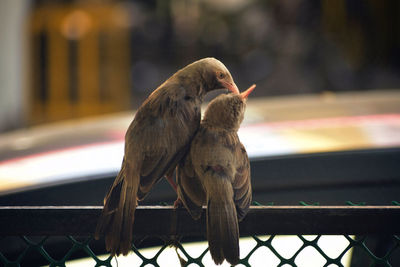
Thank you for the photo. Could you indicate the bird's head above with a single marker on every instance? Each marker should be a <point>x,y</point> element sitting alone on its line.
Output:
<point>227,111</point>
<point>216,75</point>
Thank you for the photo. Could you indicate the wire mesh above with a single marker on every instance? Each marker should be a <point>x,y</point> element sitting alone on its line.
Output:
<point>82,248</point>
<point>52,250</point>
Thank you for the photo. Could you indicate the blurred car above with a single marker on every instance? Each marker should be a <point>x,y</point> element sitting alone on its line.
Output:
<point>325,148</point>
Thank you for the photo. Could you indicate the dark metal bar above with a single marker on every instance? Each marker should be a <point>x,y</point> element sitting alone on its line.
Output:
<point>165,220</point>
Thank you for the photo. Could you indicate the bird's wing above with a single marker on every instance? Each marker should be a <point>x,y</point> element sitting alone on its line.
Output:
<point>226,157</point>
<point>190,190</point>
<point>159,136</point>
<point>242,183</point>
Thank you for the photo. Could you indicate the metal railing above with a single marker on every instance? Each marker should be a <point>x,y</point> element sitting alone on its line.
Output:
<point>50,235</point>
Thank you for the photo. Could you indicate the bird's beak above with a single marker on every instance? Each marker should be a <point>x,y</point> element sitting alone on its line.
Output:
<point>246,93</point>
<point>231,87</point>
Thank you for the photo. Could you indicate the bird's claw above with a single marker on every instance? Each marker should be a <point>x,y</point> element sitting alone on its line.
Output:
<point>178,203</point>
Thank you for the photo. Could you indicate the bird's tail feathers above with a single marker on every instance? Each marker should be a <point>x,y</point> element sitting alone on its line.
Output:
<point>223,230</point>
<point>116,219</point>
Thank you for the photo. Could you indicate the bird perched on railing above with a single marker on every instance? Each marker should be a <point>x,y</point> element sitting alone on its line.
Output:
<point>155,142</point>
<point>216,173</point>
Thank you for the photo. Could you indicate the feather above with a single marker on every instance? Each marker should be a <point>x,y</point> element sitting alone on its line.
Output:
<point>156,140</point>
<point>216,173</point>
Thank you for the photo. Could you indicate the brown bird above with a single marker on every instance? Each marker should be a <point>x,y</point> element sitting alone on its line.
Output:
<point>156,140</point>
<point>216,173</point>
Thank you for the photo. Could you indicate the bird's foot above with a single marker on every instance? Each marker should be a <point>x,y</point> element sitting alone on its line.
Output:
<point>171,181</point>
<point>178,203</point>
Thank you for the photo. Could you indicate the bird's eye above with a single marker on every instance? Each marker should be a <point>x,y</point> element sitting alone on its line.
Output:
<point>221,75</point>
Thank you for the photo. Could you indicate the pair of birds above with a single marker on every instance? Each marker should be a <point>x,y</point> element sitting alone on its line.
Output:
<point>211,164</point>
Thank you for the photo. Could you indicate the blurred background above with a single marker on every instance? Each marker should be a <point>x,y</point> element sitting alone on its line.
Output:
<point>70,59</point>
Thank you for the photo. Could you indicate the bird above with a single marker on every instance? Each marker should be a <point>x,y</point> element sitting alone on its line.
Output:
<point>155,141</point>
<point>216,173</point>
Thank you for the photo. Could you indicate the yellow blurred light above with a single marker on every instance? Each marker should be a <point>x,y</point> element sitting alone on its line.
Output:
<point>76,24</point>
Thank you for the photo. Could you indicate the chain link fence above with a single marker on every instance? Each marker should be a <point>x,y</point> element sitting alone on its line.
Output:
<point>82,247</point>
<point>53,236</point>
